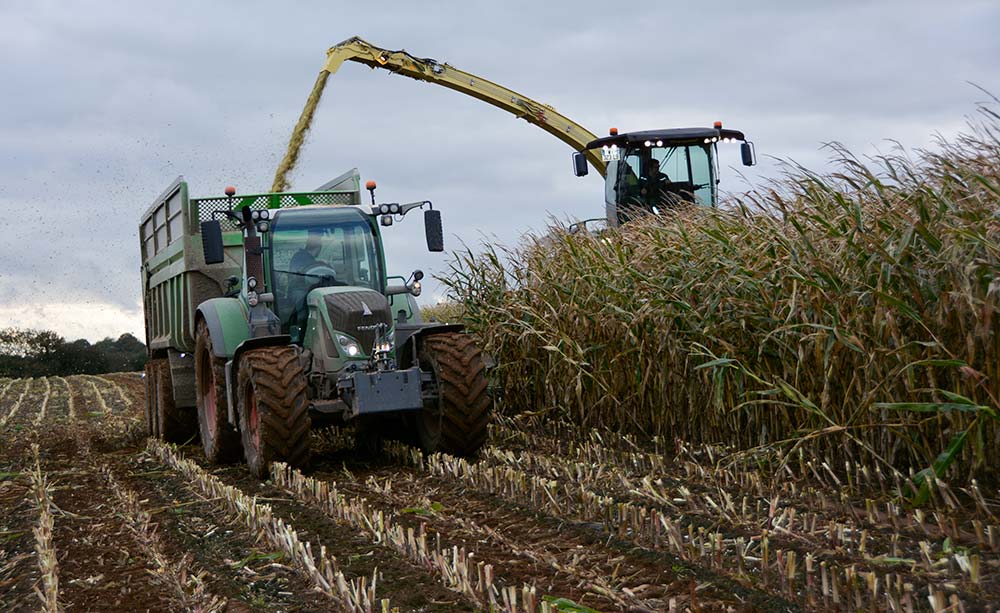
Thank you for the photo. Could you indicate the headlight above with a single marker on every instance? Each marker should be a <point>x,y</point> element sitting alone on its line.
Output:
<point>264,214</point>
<point>415,288</point>
<point>394,208</point>
<point>383,208</point>
<point>252,282</point>
<point>255,215</point>
<point>252,298</point>
<point>348,346</point>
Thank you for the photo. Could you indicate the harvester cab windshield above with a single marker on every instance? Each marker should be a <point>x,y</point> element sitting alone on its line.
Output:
<point>657,170</point>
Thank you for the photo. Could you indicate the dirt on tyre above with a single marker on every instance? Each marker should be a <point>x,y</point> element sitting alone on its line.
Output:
<point>173,424</point>
<point>220,440</point>
<point>457,422</point>
<point>273,409</point>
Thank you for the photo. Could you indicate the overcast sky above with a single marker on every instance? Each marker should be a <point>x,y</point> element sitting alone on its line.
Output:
<point>105,103</point>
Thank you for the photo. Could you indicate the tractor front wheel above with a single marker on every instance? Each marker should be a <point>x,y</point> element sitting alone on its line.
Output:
<point>457,422</point>
<point>274,409</point>
<point>219,439</point>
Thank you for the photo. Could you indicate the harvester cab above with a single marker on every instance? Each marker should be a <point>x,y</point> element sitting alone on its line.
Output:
<point>285,305</point>
<point>653,171</point>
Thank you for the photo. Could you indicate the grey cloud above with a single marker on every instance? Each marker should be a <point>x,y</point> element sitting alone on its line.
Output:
<point>112,100</point>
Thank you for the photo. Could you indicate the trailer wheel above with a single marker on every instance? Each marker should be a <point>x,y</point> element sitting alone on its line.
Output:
<point>457,422</point>
<point>152,428</point>
<point>173,424</point>
<point>219,439</point>
<point>274,409</point>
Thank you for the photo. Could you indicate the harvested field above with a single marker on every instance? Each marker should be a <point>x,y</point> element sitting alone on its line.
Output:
<point>97,517</point>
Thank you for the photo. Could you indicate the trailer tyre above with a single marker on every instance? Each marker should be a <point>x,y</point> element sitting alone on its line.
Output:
<point>274,409</point>
<point>457,422</point>
<point>219,439</point>
<point>152,427</point>
<point>172,424</point>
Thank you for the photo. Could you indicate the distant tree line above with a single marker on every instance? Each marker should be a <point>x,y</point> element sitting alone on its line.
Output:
<point>41,353</point>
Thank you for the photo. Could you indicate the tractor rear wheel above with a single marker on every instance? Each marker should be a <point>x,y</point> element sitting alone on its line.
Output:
<point>274,409</point>
<point>219,439</point>
<point>173,424</point>
<point>457,422</point>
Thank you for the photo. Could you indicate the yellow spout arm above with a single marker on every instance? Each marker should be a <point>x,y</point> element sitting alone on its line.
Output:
<point>425,69</point>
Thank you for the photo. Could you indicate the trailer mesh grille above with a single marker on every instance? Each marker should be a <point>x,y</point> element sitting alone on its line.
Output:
<point>207,206</point>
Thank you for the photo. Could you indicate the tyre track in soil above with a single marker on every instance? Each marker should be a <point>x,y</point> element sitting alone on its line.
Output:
<point>102,564</point>
<point>235,567</point>
<point>562,558</point>
<point>405,585</point>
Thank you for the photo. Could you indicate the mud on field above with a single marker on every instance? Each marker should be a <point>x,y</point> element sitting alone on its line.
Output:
<point>547,519</point>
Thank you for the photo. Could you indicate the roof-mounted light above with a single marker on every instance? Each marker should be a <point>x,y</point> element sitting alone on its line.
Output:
<point>613,131</point>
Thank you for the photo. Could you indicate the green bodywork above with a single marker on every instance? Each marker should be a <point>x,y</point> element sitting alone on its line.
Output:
<point>179,288</point>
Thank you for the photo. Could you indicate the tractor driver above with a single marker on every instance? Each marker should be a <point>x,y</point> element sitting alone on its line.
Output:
<point>305,258</point>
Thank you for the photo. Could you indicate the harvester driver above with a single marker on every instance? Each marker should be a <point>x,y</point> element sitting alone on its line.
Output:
<point>655,186</point>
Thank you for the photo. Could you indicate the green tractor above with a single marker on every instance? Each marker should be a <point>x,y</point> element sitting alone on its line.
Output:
<point>268,315</point>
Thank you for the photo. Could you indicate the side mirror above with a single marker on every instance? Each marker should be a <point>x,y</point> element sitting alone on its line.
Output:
<point>432,227</point>
<point>748,154</point>
<point>580,164</point>
<point>211,242</point>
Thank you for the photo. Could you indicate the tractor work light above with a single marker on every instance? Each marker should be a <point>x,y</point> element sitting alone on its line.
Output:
<point>386,220</point>
<point>265,214</point>
<point>394,208</point>
<point>348,346</point>
<point>383,208</point>
<point>263,226</point>
<point>252,298</point>
<point>415,289</point>
<point>252,282</point>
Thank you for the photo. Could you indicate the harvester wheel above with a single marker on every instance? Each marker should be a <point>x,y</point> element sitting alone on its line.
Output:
<point>457,422</point>
<point>274,409</point>
<point>219,439</point>
<point>173,424</point>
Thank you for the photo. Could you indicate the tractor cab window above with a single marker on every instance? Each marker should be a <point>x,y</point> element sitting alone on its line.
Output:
<point>654,179</point>
<point>320,248</point>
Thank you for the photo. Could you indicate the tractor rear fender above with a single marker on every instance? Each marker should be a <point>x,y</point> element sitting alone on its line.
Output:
<point>226,319</point>
<point>408,339</point>
<point>233,367</point>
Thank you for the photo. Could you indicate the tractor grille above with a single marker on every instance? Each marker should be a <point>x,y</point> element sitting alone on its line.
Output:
<point>347,314</point>
<point>206,206</point>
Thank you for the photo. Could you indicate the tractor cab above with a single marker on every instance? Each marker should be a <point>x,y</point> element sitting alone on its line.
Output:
<point>654,171</point>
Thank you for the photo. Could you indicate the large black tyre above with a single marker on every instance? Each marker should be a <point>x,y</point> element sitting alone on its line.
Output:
<point>457,422</point>
<point>219,439</point>
<point>152,428</point>
<point>173,424</point>
<point>274,409</point>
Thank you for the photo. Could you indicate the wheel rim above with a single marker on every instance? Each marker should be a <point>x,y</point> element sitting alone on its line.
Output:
<point>253,416</point>
<point>208,400</point>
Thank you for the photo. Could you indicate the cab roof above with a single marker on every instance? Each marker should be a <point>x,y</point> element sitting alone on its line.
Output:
<point>671,136</point>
